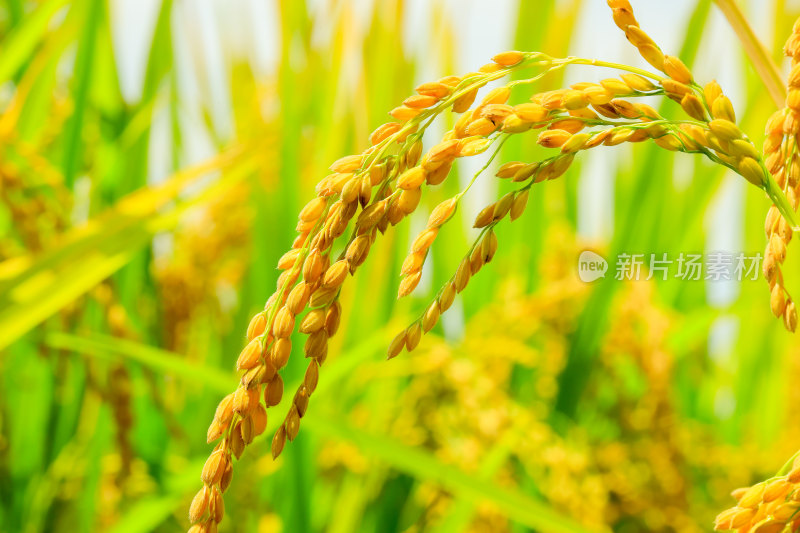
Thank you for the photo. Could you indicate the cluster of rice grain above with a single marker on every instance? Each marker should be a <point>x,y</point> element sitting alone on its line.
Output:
<point>567,115</point>
<point>771,506</point>
<point>118,389</point>
<point>715,133</point>
<point>312,278</point>
<point>37,216</point>
<point>783,161</point>
<point>202,263</point>
<point>729,144</point>
<point>114,500</point>
<point>369,192</point>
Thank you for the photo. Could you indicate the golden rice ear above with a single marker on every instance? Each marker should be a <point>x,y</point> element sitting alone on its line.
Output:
<point>723,109</point>
<point>677,70</point>
<point>638,83</point>
<point>752,171</point>
<point>368,193</point>
<point>199,505</point>
<point>693,107</point>
<point>553,138</point>
<point>463,102</point>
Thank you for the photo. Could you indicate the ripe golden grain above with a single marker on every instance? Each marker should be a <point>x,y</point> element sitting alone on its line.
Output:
<point>508,170</point>
<point>509,58</point>
<point>278,442</point>
<point>397,344</point>
<point>257,326</point>
<point>431,317</point>
<point>245,399</point>
<point>463,102</point>
<point>213,467</point>
<point>336,274</point>
<point>441,213</point>
<point>409,283</point>
<point>474,146</point>
<point>274,391</point>
<point>259,417</point>
<point>638,83</point>
<point>723,108</point>
<point>677,70</point>
<point>502,206</point>
<point>481,126</point>
<point>484,217</point>
<point>383,131</point>
<point>575,142</point>
<point>349,163</point>
<point>284,323</point>
<point>531,112</point>
<point>404,113</point>
<point>250,356</point>
<point>553,138</point>
<point>313,321</point>
<point>519,204</point>
<point>411,178</point>
<point>317,345</point>
<point>725,129</point>
<point>435,89</point>
<point>280,352</point>
<point>420,101</point>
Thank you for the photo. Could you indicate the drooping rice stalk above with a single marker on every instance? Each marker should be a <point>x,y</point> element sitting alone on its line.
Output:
<point>783,161</point>
<point>773,505</point>
<point>368,193</point>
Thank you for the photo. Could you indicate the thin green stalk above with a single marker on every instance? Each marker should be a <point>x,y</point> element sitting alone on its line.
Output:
<point>779,199</point>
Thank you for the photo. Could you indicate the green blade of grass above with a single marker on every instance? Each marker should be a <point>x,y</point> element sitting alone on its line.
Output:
<point>425,467</point>
<point>159,63</point>
<point>72,138</point>
<point>19,45</point>
<point>163,361</point>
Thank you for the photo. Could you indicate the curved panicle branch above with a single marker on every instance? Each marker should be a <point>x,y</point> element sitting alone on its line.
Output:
<point>366,194</point>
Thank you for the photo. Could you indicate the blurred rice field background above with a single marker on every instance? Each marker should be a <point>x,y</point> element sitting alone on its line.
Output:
<point>153,158</point>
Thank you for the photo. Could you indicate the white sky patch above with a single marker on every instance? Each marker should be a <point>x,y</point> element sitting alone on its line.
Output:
<point>722,339</point>
<point>132,26</point>
<point>203,30</point>
<point>596,195</point>
<point>723,226</point>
